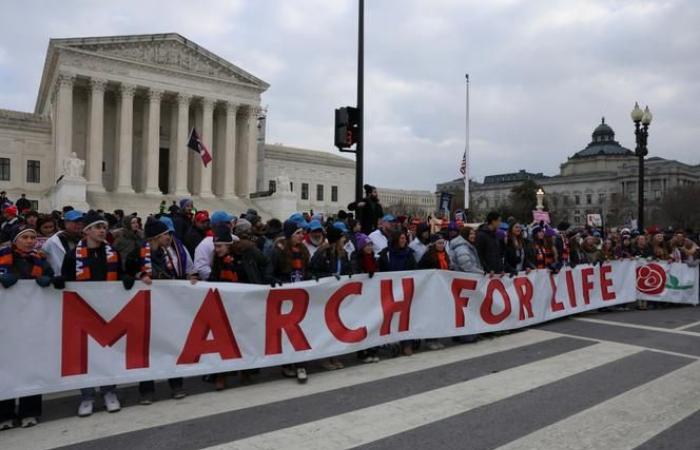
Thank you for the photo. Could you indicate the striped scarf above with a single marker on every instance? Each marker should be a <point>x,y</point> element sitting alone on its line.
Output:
<point>82,268</point>
<point>7,259</point>
<point>146,263</point>
<point>564,250</point>
<point>544,256</point>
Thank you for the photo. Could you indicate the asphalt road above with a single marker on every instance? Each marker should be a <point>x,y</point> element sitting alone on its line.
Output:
<point>613,380</point>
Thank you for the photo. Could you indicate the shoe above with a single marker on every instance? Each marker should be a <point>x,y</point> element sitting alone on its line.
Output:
<point>301,375</point>
<point>375,359</point>
<point>29,422</point>
<point>179,394</point>
<point>368,359</point>
<point>145,399</point>
<point>407,350</point>
<point>112,402</point>
<point>289,372</point>
<point>7,424</point>
<point>85,408</point>
<point>220,382</point>
<point>433,346</point>
<point>337,363</point>
<point>328,364</point>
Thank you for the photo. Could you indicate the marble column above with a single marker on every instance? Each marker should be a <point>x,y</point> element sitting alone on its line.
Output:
<point>207,138</point>
<point>241,157</point>
<point>228,156</point>
<point>179,151</point>
<point>64,119</point>
<point>153,142</point>
<point>126,139</point>
<point>94,154</point>
<point>253,149</point>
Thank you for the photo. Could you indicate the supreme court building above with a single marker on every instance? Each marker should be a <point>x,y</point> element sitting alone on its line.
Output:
<point>112,120</point>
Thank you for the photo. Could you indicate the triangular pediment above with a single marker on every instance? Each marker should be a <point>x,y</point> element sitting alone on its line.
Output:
<point>165,50</point>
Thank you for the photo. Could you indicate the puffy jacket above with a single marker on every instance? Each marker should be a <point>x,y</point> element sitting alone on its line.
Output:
<point>463,256</point>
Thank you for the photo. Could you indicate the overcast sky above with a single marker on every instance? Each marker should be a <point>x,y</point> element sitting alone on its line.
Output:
<point>542,72</point>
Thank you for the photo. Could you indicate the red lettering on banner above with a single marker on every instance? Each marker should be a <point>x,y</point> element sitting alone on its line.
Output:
<point>276,321</point>
<point>333,321</point>
<point>586,284</point>
<point>391,306</point>
<point>606,283</point>
<point>571,288</point>
<point>80,320</point>
<point>211,318</point>
<point>461,302</point>
<point>525,291</point>
<point>486,307</point>
<point>555,304</point>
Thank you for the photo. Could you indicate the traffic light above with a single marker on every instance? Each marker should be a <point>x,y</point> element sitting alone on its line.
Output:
<point>347,127</point>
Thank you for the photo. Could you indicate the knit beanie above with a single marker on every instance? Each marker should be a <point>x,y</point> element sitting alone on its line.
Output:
<point>362,240</point>
<point>290,227</point>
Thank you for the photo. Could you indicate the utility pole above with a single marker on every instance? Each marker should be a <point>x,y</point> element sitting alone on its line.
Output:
<point>359,151</point>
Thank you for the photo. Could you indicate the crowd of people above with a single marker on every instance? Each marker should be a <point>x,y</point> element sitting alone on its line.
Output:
<point>182,243</point>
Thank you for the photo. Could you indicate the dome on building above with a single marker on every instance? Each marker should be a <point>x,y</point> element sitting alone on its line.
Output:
<point>603,144</point>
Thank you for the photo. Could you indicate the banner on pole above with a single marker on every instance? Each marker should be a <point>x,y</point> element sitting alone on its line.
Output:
<point>97,333</point>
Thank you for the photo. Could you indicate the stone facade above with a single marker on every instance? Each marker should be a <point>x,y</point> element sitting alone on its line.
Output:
<point>321,181</point>
<point>600,179</point>
<point>405,202</point>
<point>125,106</point>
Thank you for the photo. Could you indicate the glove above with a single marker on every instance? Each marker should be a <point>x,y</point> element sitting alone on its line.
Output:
<point>59,282</point>
<point>316,278</point>
<point>43,281</point>
<point>337,277</point>
<point>8,280</point>
<point>371,274</point>
<point>128,282</point>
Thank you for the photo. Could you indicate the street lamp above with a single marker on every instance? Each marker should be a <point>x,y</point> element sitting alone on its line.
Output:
<point>642,120</point>
<point>540,197</point>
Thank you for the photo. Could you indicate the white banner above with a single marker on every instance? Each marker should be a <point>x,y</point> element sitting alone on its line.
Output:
<point>97,333</point>
<point>663,282</point>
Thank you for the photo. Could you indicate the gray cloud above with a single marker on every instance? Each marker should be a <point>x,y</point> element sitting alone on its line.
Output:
<point>543,72</point>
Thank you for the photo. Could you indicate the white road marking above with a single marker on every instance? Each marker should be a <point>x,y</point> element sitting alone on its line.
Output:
<point>73,429</point>
<point>380,421</point>
<point>633,325</point>
<point>625,421</point>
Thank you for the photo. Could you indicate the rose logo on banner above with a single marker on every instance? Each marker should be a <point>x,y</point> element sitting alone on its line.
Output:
<point>651,279</point>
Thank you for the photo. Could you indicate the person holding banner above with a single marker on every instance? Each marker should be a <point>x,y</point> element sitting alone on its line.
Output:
<point>20,261</point>
<point>156,264</point>
<point>489,246</point>
<point>542,253</point>
<point>95,260</point>
<point>289,263</point>
<point>514,258</point>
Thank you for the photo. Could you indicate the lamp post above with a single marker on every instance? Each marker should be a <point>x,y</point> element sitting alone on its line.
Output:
<point>642,120</point>
<point>540,198</point>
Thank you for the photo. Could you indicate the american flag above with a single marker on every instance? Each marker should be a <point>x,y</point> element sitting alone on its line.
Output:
<point>195,144</point>
<point>463,165</point>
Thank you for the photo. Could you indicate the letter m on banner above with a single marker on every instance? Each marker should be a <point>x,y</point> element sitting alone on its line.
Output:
<point>80,320</point>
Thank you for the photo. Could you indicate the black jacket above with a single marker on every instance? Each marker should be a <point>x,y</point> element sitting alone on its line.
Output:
<point>386,264</point>
<point>325,263</point>
<point>192,239</point>
<point>490,250</point>
<point>368,214</point>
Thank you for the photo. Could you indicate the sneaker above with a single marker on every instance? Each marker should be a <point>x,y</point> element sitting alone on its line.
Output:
<point>145,399</point>
<point>112,402</point>
<point>289,372</point>
<point>85,408</point>
<point>179,394</point>
<point>375,359</point>
<point>368,359</point>
<point>337,363</point>
<point>7,424</point>
<point>407,350</point>
<point>29,422</point>
<point>327,364</point>
<point>301,375</point>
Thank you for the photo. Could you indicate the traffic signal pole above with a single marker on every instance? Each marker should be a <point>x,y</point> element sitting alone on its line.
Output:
<point>359,150</point>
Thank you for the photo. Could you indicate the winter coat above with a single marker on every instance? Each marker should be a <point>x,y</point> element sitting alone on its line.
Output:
<point>391,260</point>
<point>368,214</point>
<point>128,244</point>
<point>430,259</point>
<point>192,239</point>
<point>251,263</point>
<point>280,266</point>
<point>490,250</point>
<point>463,256</point>
<point>326,262</point>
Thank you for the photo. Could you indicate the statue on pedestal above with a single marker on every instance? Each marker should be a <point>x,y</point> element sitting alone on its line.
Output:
<point>73,167</point>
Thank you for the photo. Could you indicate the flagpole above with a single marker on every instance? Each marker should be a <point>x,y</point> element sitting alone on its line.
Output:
<point>466,155</point>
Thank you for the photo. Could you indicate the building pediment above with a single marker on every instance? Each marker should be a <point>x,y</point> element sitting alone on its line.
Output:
<point>167,50</point>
